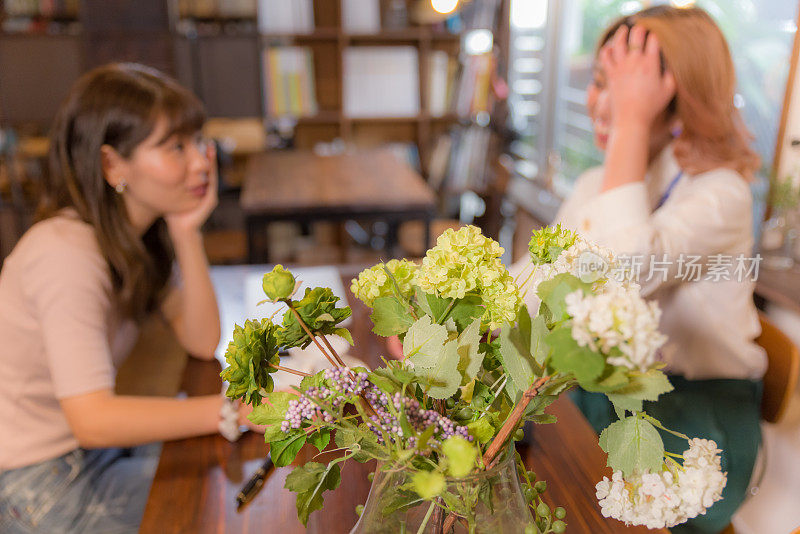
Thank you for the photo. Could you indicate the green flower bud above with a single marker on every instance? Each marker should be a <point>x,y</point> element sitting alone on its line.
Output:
<point>543,510</point>
<point>519,434</point>
<point>541,486</point>
<point>559,527</point>
<point>360,510</point>
<point>560,513</point>
<point>278,284</point>
<point>530,528</point>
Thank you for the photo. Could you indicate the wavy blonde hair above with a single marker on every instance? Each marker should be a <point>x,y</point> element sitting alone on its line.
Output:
<point>696,53</point>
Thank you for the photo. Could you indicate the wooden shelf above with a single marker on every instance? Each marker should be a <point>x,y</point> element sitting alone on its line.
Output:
<point>323,34</point>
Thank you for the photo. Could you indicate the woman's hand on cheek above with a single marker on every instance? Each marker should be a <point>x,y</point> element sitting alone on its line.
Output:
<point>192,220</point>
<point>632,66</point>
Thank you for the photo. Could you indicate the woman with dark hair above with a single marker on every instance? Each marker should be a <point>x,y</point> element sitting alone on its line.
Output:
<point>673,195</point>
<point>131,182</point>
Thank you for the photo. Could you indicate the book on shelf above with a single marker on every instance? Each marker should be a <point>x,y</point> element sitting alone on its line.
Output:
<point>239,9</point>
<point>289,88</point>
<point>41,8</point>
<point>442,68</point>
<point>474,86</point>
<point>381,81</point>
<point>285,16</point>
<point>467,166</point>
<point>361,16</point>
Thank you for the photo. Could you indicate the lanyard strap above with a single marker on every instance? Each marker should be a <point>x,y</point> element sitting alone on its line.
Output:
<point>670,187</point>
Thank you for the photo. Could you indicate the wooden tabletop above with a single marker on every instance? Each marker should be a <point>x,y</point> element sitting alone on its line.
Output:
<point>283,183</point>
<point>197,479</point>
<point>781,286</point>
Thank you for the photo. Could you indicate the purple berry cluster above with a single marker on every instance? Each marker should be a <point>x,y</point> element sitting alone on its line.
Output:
<point>419,419</point>
<point>343,386</point>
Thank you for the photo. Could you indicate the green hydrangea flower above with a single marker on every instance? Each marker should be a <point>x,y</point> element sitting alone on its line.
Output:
<point>548,242</point>
<point>466,262</point>
<point>374,282</point>
<point>249,355</point>
<point>318,310</point>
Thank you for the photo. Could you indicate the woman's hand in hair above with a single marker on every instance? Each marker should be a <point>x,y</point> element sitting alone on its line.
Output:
<point>191,221</point>
<point>638,90</point>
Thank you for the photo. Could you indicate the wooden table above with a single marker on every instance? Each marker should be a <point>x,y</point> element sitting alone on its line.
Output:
<point>780,286</point>
<point>301,186</point>
<point>197,479</point>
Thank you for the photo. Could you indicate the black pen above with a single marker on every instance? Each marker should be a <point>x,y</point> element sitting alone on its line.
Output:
<point>254,485</point>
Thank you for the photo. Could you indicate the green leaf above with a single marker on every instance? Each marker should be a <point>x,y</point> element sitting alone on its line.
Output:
<point>310,481</point>
<point>539,348</point>
<point>272,414</point>
<point>543,419</point>
<point>632,443</point>
<point>641,387</point>
<point>467,310</point>
<point>443,377</point>
<point>482,396</point>
<point>390,317</point>
<point>613,378</point>
<point>283,452</point>
<point>482,429</point>
<point>569,357</point>
<point>553,291</point>
<point>344,333</point>
<point>517,360</point>
<point>461,456</point>
<point>320,438</point>
<point>362,443</point>
<point>424,343</point>
<point>469,359</point>
<point>397,499</point>
<point>427,484</point>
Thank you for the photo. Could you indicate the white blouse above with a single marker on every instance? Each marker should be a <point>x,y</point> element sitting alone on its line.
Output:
<point>709,316</point>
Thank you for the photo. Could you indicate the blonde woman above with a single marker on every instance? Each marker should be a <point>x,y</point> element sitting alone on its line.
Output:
<point>674,189</point>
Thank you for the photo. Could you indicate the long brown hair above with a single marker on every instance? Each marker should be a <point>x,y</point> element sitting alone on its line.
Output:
<point>116,105</point>
<point>696,53</point>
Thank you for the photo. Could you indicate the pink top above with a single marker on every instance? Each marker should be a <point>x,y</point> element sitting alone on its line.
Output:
<point>60,335</point>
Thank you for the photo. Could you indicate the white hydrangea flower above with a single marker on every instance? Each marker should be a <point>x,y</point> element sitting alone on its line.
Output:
<point>617,317</point>
<point>665,499</point>
<point>585,260</point>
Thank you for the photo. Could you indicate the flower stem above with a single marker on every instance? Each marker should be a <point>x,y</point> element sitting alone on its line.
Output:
<point>422,526</point>
<point>492,453</point>
<point>314,339</point>
<point>288,370</point>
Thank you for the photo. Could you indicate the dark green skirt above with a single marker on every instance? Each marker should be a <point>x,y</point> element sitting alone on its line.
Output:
<point>727,411</point>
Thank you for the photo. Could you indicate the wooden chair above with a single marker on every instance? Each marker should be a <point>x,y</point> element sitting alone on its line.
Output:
<point>783,367</point>
<point>780,381</point>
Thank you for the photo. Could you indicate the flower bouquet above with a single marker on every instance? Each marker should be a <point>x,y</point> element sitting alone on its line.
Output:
<point>476,365</point>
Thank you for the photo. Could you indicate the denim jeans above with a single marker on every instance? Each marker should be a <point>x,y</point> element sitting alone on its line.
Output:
<point>84,491</point>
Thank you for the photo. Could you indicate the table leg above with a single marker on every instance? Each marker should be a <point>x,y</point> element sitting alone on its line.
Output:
<point>257,241</point>
<point>391,238</point>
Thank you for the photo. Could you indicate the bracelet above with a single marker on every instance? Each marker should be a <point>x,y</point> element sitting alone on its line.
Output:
<point>229,420</point>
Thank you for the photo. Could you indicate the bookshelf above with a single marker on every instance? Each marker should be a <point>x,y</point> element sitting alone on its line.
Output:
<point>328,42</point>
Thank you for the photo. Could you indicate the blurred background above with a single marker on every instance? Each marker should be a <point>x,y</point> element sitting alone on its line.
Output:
<point>481,102</point>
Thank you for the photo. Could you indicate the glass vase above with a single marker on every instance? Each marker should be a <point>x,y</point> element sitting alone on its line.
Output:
<point>487,502</point>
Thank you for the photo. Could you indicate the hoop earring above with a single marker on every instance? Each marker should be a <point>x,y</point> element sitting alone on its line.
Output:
<point>120,187</point>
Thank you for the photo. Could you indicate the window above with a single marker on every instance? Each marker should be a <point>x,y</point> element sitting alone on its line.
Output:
<point>552,46</point>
